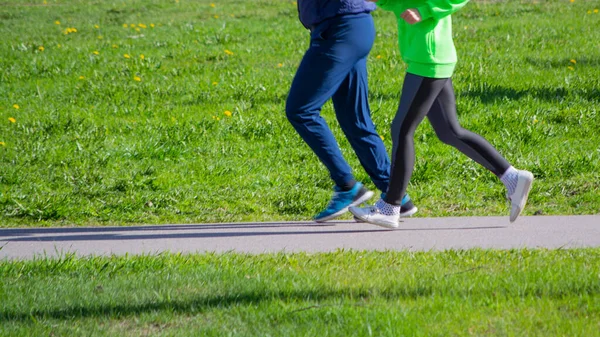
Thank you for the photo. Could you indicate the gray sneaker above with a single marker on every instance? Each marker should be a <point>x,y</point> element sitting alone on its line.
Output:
<point>519,198</point>
<point>373,215</point>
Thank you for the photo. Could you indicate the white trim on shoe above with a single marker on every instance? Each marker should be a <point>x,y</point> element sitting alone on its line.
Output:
<point>519,198</point>
<point>366,196</point>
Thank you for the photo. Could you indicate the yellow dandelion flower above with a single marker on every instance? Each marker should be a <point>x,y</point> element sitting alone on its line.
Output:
<point>152,25</point>
<point>572,1</point>
<point>573,61</point>
<point>126,56</point>
<point>137,29</point>
<point>378,56</point>
<point>73,29</point>
<point>294,3</point>
<point>41,48</point>
<point>16,106</point>
<point>2,144</point>
<point>215,83</point>
<point>58,45</point>
<point>212,5</point>
<point>45,2</point>
<point>96,52</point>
<point>142,56</point>
<point>132,25</point>
<point>380,136</point>
<point>96,26</point>
<point>216,16</point>
<point>137,79</point>
<point>12,120</point>
<point>218,118</point>
<point>589,12</point>
<point>571,68</point>
<point>115,46</point>
<point>57,22</point>
<point>228,52</point>
<point>227,113</point>
<point>81,77</point>
<point>125,25</point>
<point>279,65</point>
<point>141,25</point>
<point>596,11</point>
<point>535,120</point>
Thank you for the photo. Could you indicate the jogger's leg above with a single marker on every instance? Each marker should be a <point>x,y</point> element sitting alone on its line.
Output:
<point>336,46</point>
<point>317,79</point>
<point>418,95</point>
<point>444,120</point>
<point>353,113</point>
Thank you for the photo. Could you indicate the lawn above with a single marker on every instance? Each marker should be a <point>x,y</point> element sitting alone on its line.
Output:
<point>345,293</point>
<point>156,111</point>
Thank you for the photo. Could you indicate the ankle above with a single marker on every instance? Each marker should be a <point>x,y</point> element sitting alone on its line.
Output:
<point>347,186</point>
<point>510,179</point>
<point>387,209</point>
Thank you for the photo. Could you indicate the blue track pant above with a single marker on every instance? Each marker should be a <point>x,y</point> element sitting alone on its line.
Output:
<point>335,67</point>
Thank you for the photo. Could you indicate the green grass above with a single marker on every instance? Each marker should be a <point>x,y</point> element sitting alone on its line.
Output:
<point>345,293</point>
<point>107,149</point>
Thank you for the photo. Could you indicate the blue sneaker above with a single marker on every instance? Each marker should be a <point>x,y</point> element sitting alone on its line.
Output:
<point>342,200</point>
<point>407,208</point>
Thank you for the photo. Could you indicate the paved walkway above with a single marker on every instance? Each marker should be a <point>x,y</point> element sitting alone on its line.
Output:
<point>413,234</point>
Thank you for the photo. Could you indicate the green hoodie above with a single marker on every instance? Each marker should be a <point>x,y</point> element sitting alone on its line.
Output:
<point>426,46</point>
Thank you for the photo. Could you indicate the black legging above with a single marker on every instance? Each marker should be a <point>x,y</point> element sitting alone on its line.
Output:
<point>434,98</point>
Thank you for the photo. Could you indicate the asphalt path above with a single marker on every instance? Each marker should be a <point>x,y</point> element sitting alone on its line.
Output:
<point>415,234</point>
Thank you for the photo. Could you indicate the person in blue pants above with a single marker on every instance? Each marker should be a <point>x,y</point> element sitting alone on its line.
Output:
<point>335,66</point>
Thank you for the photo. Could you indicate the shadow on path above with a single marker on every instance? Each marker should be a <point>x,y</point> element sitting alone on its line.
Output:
<point>209,235</point>
<point>56,230</point>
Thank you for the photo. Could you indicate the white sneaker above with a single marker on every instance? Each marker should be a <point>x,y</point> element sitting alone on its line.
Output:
<point>519,198</point>
<point>372,215</point>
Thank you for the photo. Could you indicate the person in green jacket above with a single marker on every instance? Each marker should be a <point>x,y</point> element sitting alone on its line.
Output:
<point>425,39</point>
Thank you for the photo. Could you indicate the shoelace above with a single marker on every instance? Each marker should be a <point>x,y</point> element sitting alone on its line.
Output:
<point>374,209</point>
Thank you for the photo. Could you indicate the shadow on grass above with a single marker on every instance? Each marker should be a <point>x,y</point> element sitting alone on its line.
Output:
<point>489,94</point>
<point>494,93</point>
<point>205,302</point>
